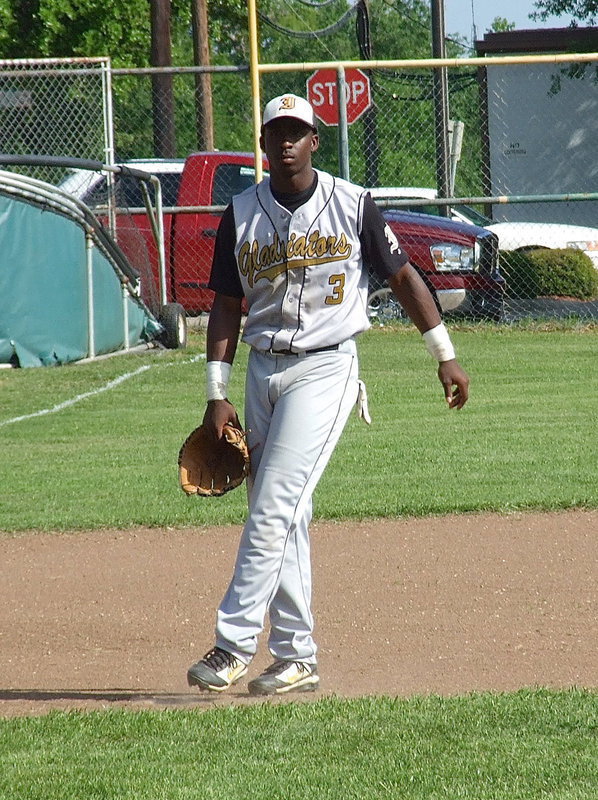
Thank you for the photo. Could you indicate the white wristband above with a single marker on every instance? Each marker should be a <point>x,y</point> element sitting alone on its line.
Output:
<point>217,375</point>
<point>438,343</point>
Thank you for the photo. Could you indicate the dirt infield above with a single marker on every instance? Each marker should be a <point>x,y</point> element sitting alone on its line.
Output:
<point>446,605</point>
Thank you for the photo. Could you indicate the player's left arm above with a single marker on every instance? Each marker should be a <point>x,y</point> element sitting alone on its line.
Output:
<point>382,250</point>
<point>415,297</point>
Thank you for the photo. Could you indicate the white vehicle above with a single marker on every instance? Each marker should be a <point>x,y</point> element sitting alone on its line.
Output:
<point>511,235</point>
<point>92,187</point>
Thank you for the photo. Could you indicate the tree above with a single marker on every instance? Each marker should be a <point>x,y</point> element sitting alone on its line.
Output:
<point>500,24</point>
<point>65,28</point>
<point>70,28</point>
<point>583,10</point>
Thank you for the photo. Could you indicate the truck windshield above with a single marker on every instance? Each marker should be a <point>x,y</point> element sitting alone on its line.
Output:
<point>231,179</point>
<point>474,216</point>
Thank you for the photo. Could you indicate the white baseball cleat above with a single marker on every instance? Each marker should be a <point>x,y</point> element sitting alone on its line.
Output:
<point>286,676</point>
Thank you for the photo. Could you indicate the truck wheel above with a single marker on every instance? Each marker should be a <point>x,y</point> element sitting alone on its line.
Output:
<point>174,321</point>
<point>384,307</point>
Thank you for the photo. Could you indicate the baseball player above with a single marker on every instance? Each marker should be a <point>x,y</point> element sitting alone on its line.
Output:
<point>297,246</point>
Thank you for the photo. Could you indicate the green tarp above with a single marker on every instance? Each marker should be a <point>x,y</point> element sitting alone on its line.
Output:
<point>44,292</point>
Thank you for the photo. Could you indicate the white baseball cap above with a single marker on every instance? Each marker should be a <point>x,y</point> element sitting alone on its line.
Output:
<point>290,105</point>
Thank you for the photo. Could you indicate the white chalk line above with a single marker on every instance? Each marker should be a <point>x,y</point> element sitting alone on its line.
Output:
<point>110,385</point>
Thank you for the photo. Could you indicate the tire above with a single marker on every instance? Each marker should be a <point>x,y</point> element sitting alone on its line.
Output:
<point>383,307</point>
<point>174,321</point>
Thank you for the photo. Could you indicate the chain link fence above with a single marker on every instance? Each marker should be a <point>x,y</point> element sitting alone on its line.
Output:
<point>56,107</point>
<point>509,190</point>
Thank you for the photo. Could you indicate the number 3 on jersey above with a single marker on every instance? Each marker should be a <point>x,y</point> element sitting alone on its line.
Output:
<point>338,284</point>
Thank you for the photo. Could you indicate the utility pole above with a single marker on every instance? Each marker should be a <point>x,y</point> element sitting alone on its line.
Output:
<point>441,111</point>
<point>203,80</point>
<point>162,100</point>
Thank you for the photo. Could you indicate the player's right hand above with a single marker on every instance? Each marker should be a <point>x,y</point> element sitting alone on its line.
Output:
<point>218,413</point>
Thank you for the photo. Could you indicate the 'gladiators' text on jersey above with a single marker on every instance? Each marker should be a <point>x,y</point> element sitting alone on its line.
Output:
<point>259,261</point>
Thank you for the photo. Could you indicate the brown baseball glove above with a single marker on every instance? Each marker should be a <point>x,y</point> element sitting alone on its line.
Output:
<point>209,468</point>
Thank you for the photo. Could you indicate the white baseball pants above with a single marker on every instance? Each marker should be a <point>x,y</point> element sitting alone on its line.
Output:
<point>295,410</point>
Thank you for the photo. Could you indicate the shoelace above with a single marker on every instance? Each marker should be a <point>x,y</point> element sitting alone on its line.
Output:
<point>217,658</point>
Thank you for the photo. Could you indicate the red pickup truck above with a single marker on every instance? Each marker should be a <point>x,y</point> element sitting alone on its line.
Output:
<point>460,262</point>
<point>191,188</point>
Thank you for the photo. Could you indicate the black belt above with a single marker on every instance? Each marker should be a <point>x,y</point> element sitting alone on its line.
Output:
<point>288,352</point>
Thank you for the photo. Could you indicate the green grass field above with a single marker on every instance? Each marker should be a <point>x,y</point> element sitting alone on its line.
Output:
<point>526,440</point>
<point>104,455</point>
<point>523,746</point>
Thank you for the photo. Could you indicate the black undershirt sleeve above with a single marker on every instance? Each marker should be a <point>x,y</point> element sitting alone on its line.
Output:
<point>381,255</point>
<point>224,277</point>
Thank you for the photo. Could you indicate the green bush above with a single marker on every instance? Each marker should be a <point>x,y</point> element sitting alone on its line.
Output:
<point>519,273</point>
<point>549,273</point>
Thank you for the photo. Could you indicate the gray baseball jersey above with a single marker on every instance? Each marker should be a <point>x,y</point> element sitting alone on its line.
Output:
<point>301,270</point>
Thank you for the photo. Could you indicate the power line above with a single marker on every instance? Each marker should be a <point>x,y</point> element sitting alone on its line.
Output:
<point>329,29</point>
<point>316,4</point>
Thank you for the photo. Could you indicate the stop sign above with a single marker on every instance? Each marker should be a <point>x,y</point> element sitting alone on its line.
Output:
<point>323,96</point>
